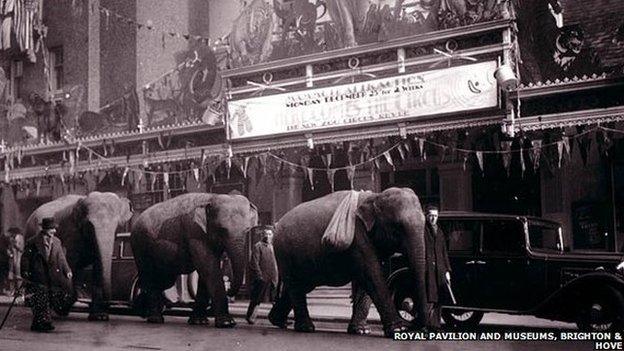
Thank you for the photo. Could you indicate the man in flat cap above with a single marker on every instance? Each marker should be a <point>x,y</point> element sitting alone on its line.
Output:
<point>46,273</point>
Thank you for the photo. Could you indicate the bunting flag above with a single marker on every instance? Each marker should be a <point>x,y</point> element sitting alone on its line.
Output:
<point>160,141</point>
<point>406,145</point>
<point>310,173</point>
<point>72,163</point>
<point>105,148</point>
<point>479,155</point>
<point>228,166</point>
<point>351,175</point>
<point>566,146</point>
<point>536,151</point>
<point>522,164</point>
<point>245,166</point>
<point>263,162</point>
<point>330,176</point>
<point>401,152</point>
<point>373,175</point>
<point>584,144</point>
<point>559,152</point>
<point>506,155</point>
<point>604,142</point>
<point>464,160</point>
<point>203,157</point>
<point>421,148</point>
<point>327,160</point>
<point>140,177</point>
<point>389,158</point>
<point>166,180</point>
<point>125,174</point>
<point>153,175</point>
<point>6,170</point>
<point>196,174</point>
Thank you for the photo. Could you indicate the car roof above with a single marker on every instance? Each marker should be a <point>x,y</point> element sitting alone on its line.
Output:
<point>482,215</point>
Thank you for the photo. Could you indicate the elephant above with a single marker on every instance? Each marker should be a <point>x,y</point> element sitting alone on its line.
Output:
<point>187,233</point>
<point>385,223</point>
<point>86,227</point>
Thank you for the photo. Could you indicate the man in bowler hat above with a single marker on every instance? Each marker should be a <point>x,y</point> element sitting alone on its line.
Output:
<point>46,273</point>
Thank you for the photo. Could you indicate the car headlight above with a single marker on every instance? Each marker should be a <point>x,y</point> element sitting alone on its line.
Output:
<point>620,268</point>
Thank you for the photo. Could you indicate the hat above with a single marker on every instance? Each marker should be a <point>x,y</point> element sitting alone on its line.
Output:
<point>431,207</point>
<point>48,223</point>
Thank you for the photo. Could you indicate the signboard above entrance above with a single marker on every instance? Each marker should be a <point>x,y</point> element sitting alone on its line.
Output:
<point>457,89</point>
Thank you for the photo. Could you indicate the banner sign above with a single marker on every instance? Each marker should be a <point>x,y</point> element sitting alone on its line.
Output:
<point>455,89</point>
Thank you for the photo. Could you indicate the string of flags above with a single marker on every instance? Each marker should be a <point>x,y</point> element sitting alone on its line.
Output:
<point>149,25</point>
<point>207,165</point>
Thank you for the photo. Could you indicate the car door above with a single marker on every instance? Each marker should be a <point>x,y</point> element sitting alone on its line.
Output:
<point>462,236</point>
<point>504,268</point>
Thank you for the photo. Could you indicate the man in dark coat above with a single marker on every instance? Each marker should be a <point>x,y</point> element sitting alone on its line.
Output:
<point>46,273</point>
<point>437,273</point>
<point>263,271</point>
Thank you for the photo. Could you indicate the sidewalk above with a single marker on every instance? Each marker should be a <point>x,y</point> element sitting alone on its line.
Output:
<point>327,305</point>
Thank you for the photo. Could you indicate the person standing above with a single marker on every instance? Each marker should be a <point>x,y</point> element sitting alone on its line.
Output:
<point>437,273</point>
<point>46,273</point>
<point>15,253</point>
<point>263,272</point>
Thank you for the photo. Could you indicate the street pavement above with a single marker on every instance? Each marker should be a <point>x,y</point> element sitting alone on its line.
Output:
<point>329,310</point>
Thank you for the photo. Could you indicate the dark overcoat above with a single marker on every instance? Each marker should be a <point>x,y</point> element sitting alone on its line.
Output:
<point>49,272</point>
<point>437,262</point>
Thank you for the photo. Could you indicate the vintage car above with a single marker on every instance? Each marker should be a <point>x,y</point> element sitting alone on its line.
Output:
<point>520,265</point>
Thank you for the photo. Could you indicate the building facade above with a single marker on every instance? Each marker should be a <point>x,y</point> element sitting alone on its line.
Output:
<point>314,102</point>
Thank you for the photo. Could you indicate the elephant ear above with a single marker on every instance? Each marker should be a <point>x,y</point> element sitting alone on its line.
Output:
<point>366,213</point>
<point>200,216</point>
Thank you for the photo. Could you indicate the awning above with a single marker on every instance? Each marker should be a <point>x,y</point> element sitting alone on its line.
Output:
<point>570,119</point>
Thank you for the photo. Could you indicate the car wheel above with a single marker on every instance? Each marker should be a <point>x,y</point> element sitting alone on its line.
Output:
<point>462,318</point>
<point>604,311</point>
<point>135,291</point>
<point>403,301</point>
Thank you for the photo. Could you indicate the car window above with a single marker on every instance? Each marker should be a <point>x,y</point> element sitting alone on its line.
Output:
<point>503,237</point>
<point>117,248</point>
<point>543,237</point>
<point>460,234</point>
<point>126,250</point>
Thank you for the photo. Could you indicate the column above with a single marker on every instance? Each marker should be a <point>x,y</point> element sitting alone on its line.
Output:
<point>93,87</point>
<point>455,187</point>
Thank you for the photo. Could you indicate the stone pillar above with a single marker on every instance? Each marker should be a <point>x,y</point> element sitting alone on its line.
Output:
<point>93,81</point>
<point>455,187</point>
<point>287,194</point>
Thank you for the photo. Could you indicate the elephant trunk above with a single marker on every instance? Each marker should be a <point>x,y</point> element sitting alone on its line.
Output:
<point>104,239</point>
<point>236,254</point>
<point>414,248</point>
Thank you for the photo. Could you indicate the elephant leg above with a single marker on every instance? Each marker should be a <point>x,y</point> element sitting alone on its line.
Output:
<point>361,306</point>
<point>278,316</point>
<point>155,306</point>
<point>303,323</point>
<point>199,316</point>
<point>210,275</point>
<point>370,278</point>
<point>98,308</point>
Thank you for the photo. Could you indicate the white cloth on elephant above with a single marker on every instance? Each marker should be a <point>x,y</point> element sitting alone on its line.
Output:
<point>341,229</point>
